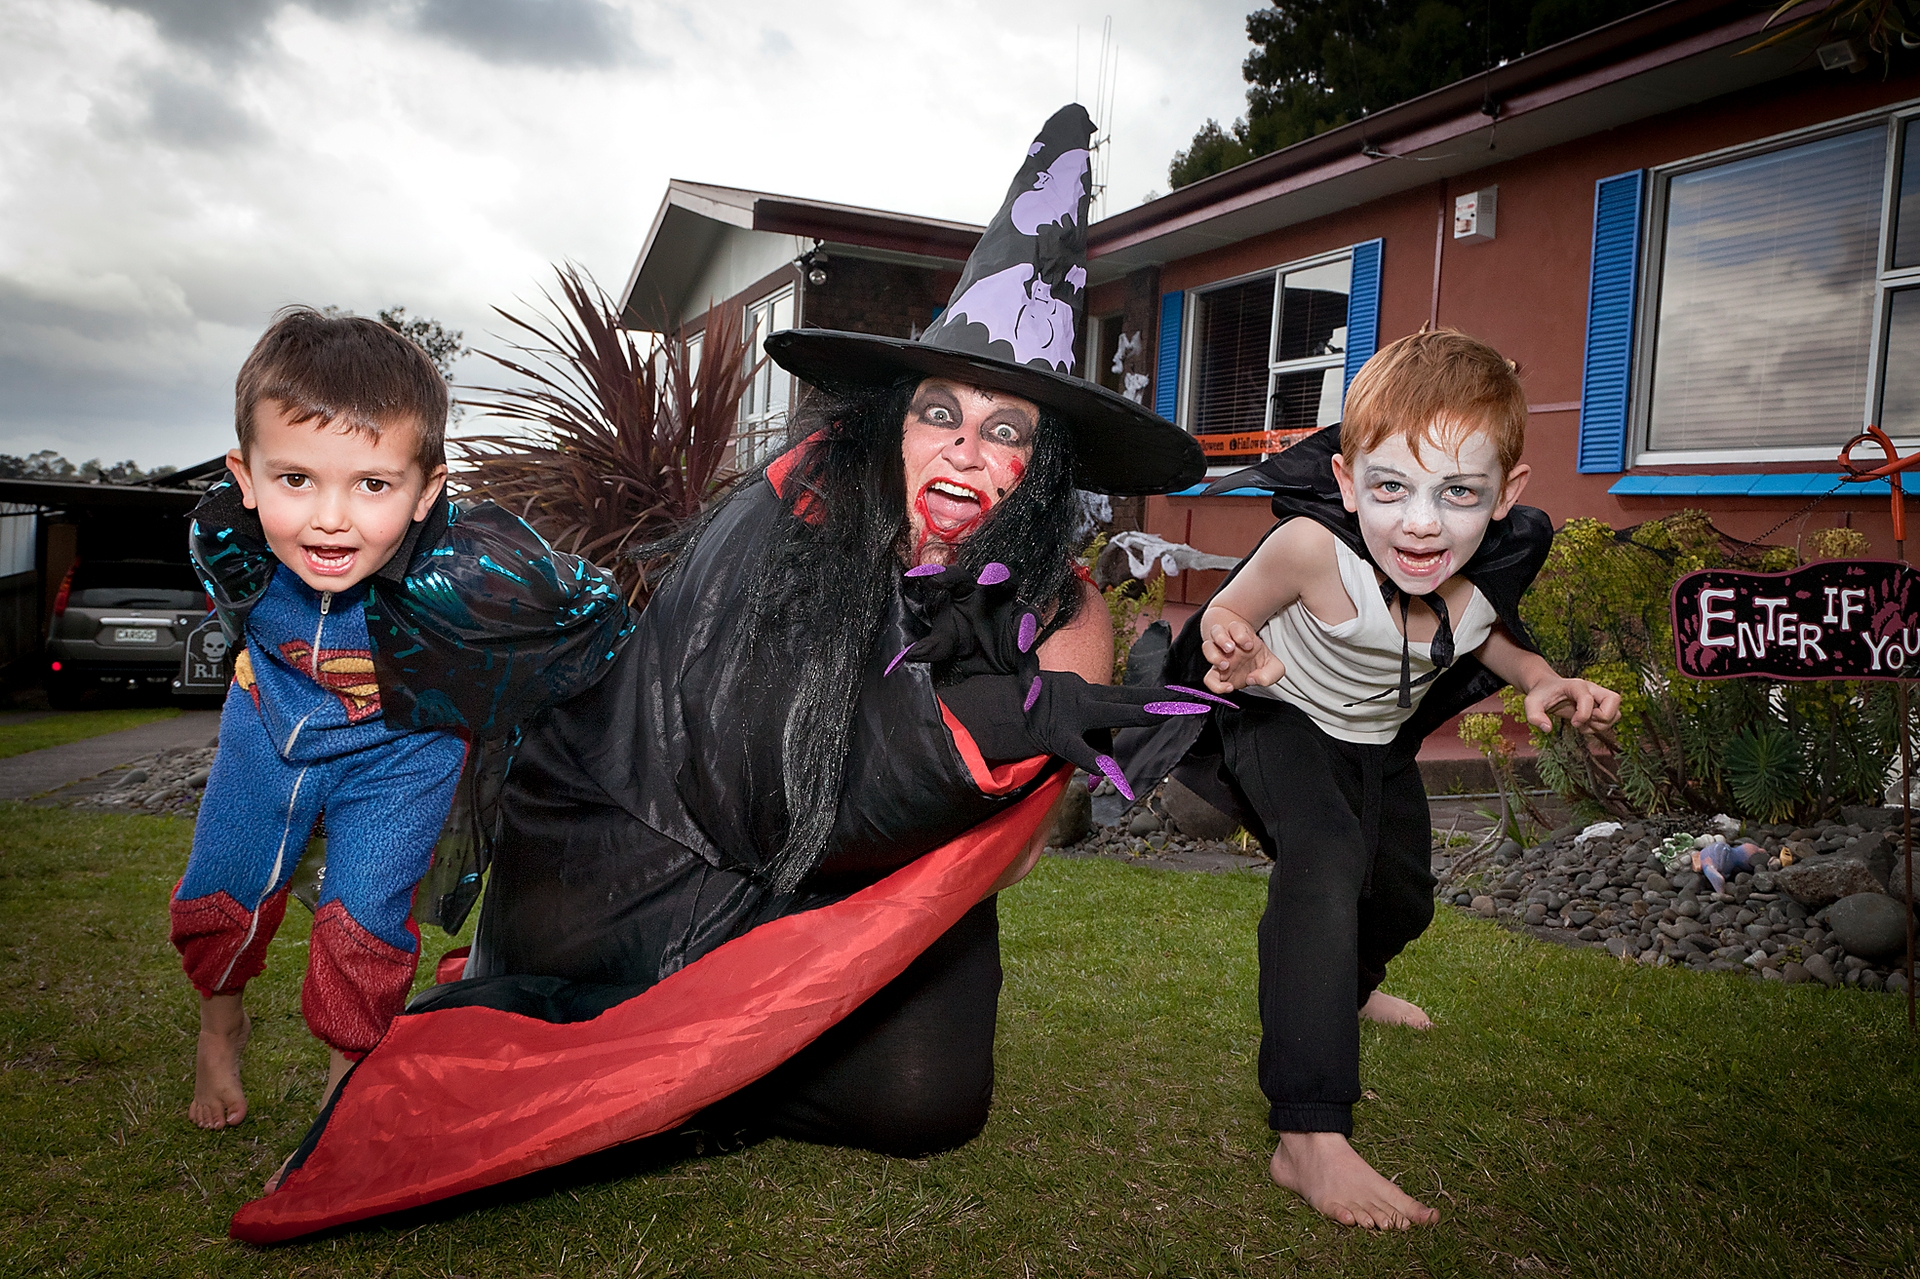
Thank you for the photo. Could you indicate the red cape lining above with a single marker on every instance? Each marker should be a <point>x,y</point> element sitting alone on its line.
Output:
<point>461,1098</point>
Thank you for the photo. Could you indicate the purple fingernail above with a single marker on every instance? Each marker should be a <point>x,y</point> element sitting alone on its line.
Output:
<point>1200,693</point>
<point>1176,708</point>
<point>924,570</point>
<point>994,574</point>
<point>1114,775</point>
<point>896,659</point>
<point>1033,694</point>
<point>1029,627</point>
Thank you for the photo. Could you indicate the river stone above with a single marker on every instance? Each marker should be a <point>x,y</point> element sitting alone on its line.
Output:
<point>1193,816</point>
<point>1827,878</point>
<point>1820,970</point>
<point>1870,925</point>
<point>1144,822</point>
<point>1795,974</point>
<point>1897,879</point>
<point>1072,821</point>
<point>1483,906</point>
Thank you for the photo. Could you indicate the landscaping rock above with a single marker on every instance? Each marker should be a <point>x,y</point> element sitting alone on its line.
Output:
<point>1827,877</point>
<point>1795,974</point>
<point>1875,818</point>
<point>1897,879</point>
<point>1871,925</point>
<point>1820,970</point>
<point>1483,906</point>
<point>1193,816</point>
<point>1144,822</point>
<point>1071,821</point>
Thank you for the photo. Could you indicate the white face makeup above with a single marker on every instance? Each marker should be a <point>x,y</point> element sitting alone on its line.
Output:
<point>1423,518</point>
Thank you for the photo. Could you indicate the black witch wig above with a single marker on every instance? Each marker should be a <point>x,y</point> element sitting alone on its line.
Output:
<point>833,562</point>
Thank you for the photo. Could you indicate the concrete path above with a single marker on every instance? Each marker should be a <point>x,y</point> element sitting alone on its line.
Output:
<point>39,771</point>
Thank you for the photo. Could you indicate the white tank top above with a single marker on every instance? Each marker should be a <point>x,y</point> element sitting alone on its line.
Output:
<point>1346,677</point>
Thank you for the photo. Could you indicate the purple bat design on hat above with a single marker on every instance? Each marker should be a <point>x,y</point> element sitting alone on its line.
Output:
<point>1056,195</point>
<point>1019,308</point>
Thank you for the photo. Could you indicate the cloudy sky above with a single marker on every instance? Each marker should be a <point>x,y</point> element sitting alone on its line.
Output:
<point>171,171</point>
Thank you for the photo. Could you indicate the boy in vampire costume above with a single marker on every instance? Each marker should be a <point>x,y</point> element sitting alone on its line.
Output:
<point>747,879</point>
<point>1384,601</point>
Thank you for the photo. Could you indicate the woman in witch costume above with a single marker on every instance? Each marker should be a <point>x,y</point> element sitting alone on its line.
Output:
<point>748,879</point>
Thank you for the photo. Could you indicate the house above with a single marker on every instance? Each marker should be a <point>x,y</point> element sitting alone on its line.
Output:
<point>1706,262</point>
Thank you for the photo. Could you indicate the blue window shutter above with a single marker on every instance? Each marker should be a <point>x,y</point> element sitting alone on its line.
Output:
<point>1166,378</point>
<point>1608,379</point>
<point>1363,308</point>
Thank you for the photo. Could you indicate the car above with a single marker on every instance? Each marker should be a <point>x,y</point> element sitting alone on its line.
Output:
<point>120,624</point>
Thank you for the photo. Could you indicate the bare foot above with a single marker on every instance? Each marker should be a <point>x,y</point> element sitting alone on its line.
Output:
<point>337,1068</point>
<point>1391,1011</point>
<point>279,1175</point>
<point>218,1101</point>
<point>1336,1182</point>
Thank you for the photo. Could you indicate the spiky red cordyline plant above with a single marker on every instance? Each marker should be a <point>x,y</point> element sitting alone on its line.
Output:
<point>624,446</point>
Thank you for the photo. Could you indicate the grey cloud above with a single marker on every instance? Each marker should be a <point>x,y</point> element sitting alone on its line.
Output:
<point>225,29</point>
<point>551,33</point>
<point>196,115</point>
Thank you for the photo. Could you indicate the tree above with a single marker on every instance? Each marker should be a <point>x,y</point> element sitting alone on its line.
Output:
<point>48,465</point>
<point>441,343</point>
<point>1317,66</point>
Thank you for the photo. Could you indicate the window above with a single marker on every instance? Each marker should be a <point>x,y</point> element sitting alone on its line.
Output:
<point>763,408</point>
<point>1783,301</point>
<point>1268,359</point>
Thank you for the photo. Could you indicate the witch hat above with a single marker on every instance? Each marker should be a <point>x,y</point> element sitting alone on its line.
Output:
<point>1010,327</point>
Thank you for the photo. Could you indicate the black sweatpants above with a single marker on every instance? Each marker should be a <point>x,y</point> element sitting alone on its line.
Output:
<point>909,1072</point>
<point>1348,830</point>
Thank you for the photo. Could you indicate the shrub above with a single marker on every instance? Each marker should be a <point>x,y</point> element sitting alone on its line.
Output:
<point>1773,751</point>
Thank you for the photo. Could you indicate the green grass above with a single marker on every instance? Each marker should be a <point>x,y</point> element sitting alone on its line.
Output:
<point>1569,1115</point>
<point>72,726</point>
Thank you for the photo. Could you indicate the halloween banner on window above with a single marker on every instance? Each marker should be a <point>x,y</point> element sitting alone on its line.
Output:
<point>1838,619</point>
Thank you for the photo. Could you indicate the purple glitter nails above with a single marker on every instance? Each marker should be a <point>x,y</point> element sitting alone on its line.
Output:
<point>1033,694</point>
<point>924,570</point>
<point>1114,775</point>
<point>1029,627</point>
<point>1201,693</point>
<point>1176,708</point>
<point>994,574</point>
<point>896,660</point>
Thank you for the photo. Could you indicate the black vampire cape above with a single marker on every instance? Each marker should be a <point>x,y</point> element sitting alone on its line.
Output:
<point>634,963</point>
<point>1303,485</point>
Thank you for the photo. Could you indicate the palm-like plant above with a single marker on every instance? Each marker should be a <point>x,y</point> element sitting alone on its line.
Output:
<point>624,444</point>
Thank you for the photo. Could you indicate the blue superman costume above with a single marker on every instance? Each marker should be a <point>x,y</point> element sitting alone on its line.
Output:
<point>323,716</point>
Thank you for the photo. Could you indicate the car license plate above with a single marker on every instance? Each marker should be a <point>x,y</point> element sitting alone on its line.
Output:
<point>136,635</point>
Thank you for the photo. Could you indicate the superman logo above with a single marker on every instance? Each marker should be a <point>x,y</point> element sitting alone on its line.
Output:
<point>346,673</point>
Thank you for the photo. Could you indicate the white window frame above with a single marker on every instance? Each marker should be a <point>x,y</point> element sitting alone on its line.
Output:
<point>1647,315</point>
<point>1190,343</point>
<point>759,435</point>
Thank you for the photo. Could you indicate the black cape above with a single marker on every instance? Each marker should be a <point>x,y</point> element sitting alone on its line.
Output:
<point>1303,485</point>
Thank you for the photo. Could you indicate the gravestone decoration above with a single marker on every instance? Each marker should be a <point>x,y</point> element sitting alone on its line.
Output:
<point>206,668</point>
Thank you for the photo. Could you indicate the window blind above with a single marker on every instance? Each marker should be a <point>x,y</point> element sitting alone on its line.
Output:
<point>1230,368</point>
<point>1766,297</point>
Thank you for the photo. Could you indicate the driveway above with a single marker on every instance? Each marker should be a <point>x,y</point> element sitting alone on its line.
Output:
<point>36,772</point>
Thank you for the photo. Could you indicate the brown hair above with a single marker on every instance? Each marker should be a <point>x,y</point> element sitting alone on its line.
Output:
<point>1436,386</point>
<point>348,370</point>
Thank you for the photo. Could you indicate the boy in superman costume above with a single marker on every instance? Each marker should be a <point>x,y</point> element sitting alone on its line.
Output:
<point>380,630</point>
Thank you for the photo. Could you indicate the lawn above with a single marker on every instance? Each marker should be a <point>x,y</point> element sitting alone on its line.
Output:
<point>1569,1115</point>
<point>71,726</point>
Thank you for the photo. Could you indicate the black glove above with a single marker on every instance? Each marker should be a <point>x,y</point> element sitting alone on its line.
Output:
<point>1060,714</point>
<point>974,625</point>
